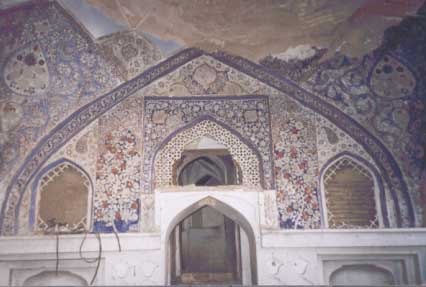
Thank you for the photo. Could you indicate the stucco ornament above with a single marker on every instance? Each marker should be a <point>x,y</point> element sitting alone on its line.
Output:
<point>391,79</point>
<point>26,71</point>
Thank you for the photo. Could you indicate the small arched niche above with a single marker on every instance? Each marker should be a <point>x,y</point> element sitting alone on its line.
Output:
<point>205,162</point>
<point>203,136</point>
<point>211,243</point>
<point>53,278</point>
<point>351,195</point>
<point>362,275</point>
<point>62,199</point>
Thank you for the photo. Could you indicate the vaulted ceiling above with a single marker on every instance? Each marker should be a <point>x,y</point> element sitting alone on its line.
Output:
<point>249,28</point>
<point>254,29</point>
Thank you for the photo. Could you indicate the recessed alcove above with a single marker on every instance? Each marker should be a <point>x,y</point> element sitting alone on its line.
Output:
<point>205,162</point>
<point>205,246</point>
<point>211,243</point>
<point>53,278</point>
<point>61,196</point>
<point>363,275</point>
<point>351,195</point>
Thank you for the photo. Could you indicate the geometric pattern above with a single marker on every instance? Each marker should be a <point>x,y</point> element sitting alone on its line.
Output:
<point>345,162</point>
<point>47,178</point>
<point>172,151</point>
<point>330,174</point>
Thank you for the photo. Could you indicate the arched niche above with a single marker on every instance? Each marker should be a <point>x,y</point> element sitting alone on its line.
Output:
<point>230,213</point>
<point>208,170</point>
<point>170,153</point>
<point>352,194</point>
<point>362,275</point>
<point>61,199</point>
<point>53,278</point>
<point>205,162</point>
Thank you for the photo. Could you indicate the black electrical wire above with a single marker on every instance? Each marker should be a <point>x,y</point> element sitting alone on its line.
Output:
<point>98,259</point>
<point>87,260</point>
<point>114,229</point>
<point>98,236</point>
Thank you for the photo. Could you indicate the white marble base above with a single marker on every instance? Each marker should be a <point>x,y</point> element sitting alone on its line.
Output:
<point>291,257</point>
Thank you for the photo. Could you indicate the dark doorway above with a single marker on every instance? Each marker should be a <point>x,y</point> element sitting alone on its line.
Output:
<point>207,168</point>
<point>220,237</point>
<point>206,249</point>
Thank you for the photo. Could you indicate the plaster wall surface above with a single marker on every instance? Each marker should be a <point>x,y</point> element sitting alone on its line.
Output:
<point>292,257</point>
<point>291,261</point>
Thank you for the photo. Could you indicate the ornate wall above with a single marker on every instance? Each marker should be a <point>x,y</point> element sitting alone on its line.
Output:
<point>121,115</point>
<point>61,98</point>
<point>384,91</point>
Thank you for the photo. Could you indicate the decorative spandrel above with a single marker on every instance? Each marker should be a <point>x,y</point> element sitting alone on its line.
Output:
<point>240,119</point>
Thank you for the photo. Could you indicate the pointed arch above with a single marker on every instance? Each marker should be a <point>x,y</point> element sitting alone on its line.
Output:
<point>71,126</point>
<point>78,120</point>
<point>35,189</point>
<point>384,159</point>
<point>218,169</point>
<point>378,185</point>
<point>48,278</point>
<point>171,148</point>
<point>369,272</point>
<point>229,212</point>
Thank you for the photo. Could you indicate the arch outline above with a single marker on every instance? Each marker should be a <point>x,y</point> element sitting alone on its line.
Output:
<point>191,125</point>
<point>67,274</point>
<point>377,182</point>
<point>365,266</point>
<point>224,209</point>
<point>183,165</point>
<point>35,190</point>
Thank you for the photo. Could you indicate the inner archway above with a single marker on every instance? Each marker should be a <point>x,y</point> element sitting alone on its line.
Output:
<point>205,162</point>
<point>205,249</point>
<point>206,134</point>
<point>211,243</point>
<point>208,171</point>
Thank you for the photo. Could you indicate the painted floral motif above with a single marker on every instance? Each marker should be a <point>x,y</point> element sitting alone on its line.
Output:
<point>116,200</point>
<point>26,71</point>
<point>383,91</point>
<point>207,76</point>
<point>392,79</point>
<point>341,87</point>
<point>162,116</point>
<point>117,181</point>
<point>130,52</point>
<point>332,141</point>
<point>296,166</point>
<point>49,68</point>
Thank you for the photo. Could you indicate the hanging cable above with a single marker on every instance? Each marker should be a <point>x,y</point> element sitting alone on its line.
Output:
<point>98,236</point>
<point>87,260</point>
<point>93,260</point>
<point>114,228</point>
